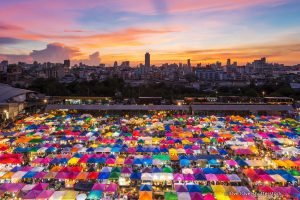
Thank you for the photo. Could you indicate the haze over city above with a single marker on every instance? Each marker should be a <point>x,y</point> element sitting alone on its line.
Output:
<point>172,30</point>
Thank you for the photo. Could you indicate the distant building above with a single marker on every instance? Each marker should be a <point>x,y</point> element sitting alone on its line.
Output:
<point>3,66</point>
<point>67,63</point>
<point>13,101</point>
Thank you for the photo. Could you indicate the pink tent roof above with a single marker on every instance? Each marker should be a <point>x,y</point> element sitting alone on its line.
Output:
<point>265,188</point>
<point>188,177</point>
<point>209,196</point>
<point>111,187</point>
<point>243,151</point>
<point>26,168</point>
<point>231,162</point>
<point>178,177</point>
<point>110,161</point>
<point>99,186</point>
<point>131,150</point>
<point>248,197</point>
<point>189,151</point>
<point>194,147</point>
<point>46,194</point>
<point>222,177</point>
<point>211,177</point>
<point>266,177</point>
<point>46,160</point>
<point>38,160</point>
<point>197,170</point>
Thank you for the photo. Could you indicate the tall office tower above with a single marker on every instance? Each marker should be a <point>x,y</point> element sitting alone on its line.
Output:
<point>228,62</point>
<point>147,60</point>
<point>115,64</point>
<point>189,62</point>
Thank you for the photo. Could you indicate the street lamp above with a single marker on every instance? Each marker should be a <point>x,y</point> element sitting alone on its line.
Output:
<point>263,93</point>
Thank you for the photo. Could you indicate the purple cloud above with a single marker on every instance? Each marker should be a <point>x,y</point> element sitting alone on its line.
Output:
<point>54,52</point>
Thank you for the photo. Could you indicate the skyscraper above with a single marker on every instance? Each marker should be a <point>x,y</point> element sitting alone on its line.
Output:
<point>189,62</point>
<point>147,60</point>
<point>228,62</point>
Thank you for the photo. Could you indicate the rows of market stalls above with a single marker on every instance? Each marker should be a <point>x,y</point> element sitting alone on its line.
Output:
<point>69,156</point>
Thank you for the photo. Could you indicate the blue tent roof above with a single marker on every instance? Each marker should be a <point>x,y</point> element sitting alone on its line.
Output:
<point>199,177</point>
<point>147,161</point>
<point>156,170</point>
<point>137,161</point>
<point>104,175</point>
<point>16,168</point>
<point>51,149</point>
<point>184,162</point>
<point>213,162</point>
<point>213,171</point>
<point>146,188</point>
<point>193,188</point>
<point>241,163</point>
<point>289,178</point>
<point>223,152</point>
<point>136,176</point>
<point>29,174</point>
<point>156,150</point>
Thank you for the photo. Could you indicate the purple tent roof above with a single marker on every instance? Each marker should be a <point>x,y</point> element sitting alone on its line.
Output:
<point>40,174</point>
<point>233,177</point>
<point>242,190</point>
<point>147,170</point>
<point>26,168</point>
<point>40,186</point>
<point>126,170</point>
<point>128,161</point>
<point>181,188</point>
<point>196,196</point>
<point>11,187</point>
<point>33,194</point>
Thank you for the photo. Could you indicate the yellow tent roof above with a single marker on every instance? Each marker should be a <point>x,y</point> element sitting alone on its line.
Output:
<point>120,161</point>
<point>280,163</point>
<point>7,175</point>
<point>70,195</point>
<point>72,161</point>
<point>218,189</point>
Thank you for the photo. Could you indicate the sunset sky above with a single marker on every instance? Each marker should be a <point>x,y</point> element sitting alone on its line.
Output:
<point>171,30</point>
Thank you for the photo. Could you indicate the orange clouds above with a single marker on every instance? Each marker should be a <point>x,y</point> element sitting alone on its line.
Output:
<point>286,53</point>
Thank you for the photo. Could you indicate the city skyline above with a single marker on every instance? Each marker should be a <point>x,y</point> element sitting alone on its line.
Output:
<point>172,31</point>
